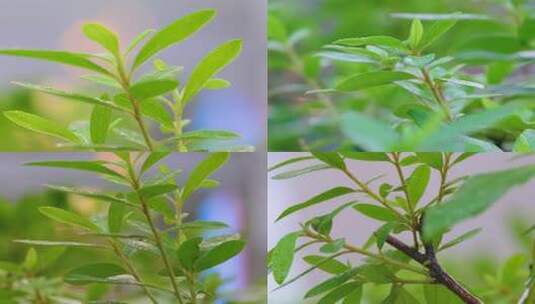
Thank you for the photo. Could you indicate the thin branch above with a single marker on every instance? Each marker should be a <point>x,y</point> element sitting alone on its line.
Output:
<point>436,271</point>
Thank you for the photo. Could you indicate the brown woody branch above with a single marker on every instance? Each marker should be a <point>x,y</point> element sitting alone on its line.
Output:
<point>437,273</point>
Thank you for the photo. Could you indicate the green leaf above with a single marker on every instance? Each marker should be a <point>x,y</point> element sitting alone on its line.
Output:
<point>68,218</point>
<point>209,66</point>
<point>354,297</point>
<point>174,33</point>
<point>189,251</point>
<point>90,194</point>
<point>217,84</point>
<point>438,294</point>
<point>333,247</point>
<point>203,170</point>
<point>417,184</point>
<point>332,159</point>
<point>152,88</point>
<point>376,212</point>
<point>100,124</point>
<point>330,284</point>
<point>301,171</point>
<point>366,156</point>
<point>68,58</point>
<point>326,264</point>
<point>525,142</point>
<point>156,190</point>
<point>327,195</point>
<point>56,243</point>
<point>68,95</point>
<point>373,40</point>
<point>41,125</point>
<point>339,293</point>
<point>416,33</point>
<point>282,257</point>
<point>30,261</point>
<point>368,133</point>
<point>152,159</point>
<point>476,195</point>
<point>276,29</point>
<point>93,272</point>
<point>208,134</point>
<point>383,233</point>
<point>116,216</point>
<point>289,162</point>
<point>138,39</point>
<point>103,36</point>
<point>81,165</point>
<point>399,295</point>
<point>465,236</point>
<point>219,254</point>
<point>371,79</point>
<point>432,159</point>
<point>437,30</point>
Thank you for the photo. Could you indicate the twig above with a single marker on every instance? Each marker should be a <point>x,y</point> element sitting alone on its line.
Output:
<point>436,271</point>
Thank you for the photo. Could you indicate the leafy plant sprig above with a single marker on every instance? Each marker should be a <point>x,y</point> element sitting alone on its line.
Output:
<point>443,106</point>
<point>179,251</point>
<point>156,95</point>
<point>408,206</point>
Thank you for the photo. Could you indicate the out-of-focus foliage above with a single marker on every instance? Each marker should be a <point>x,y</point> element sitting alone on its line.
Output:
<point>462,81</point>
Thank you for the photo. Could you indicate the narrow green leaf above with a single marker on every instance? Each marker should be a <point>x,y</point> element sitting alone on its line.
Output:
<point>476,195</point>
<point>189,251</point>
<point>31,259</point>
<point>332,159</point>
<point>203,170</point>
<point>174,33</point>
<point>437,30</point>
<point>371,79</point>
<point>69,218</point>
<point>433,159</point>
<point>465,236</point>
<point>219,254</point>
<point>103,36</point>
<point>68,58</point>
<point>301,171</point>
<point>282,257</point>
<point>525,143</point>
<point>339,293</point>
<point>333,247</point>
<point>209,66</point>
<point>208,134</point>
<point>93,272</point>
<point>330,284</point>
<point>325,196</point>
<point>157,190</point>
<point>69,95</point>
<point>56,243</point>
<point>366,156</point>
<point>289,162</point>
<point>217,84</point>
<point>438,294</point>
<point>41,125</point>
<point>116,216</point>
<point>153,159</point>
<point>416,33</point>
<point>368,133</point>
<point>417,184</point>
<point>376,212</point>
<point>90,194</point>
<point>138,39</point>
<point>373,40</point>
<point>326,264</point>
<point>152,88</point>
<point>100,124</point>
<point>81,165</point>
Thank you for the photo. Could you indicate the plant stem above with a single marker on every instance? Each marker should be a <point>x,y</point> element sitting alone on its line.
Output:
<point>403,181</point>
<point>443,177</point>
<point>437,93</point>
<point>132,270</point>
<point>157,238</point>
<point>363,187</point>
<point>124,80</point>
<point>436,272</point>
